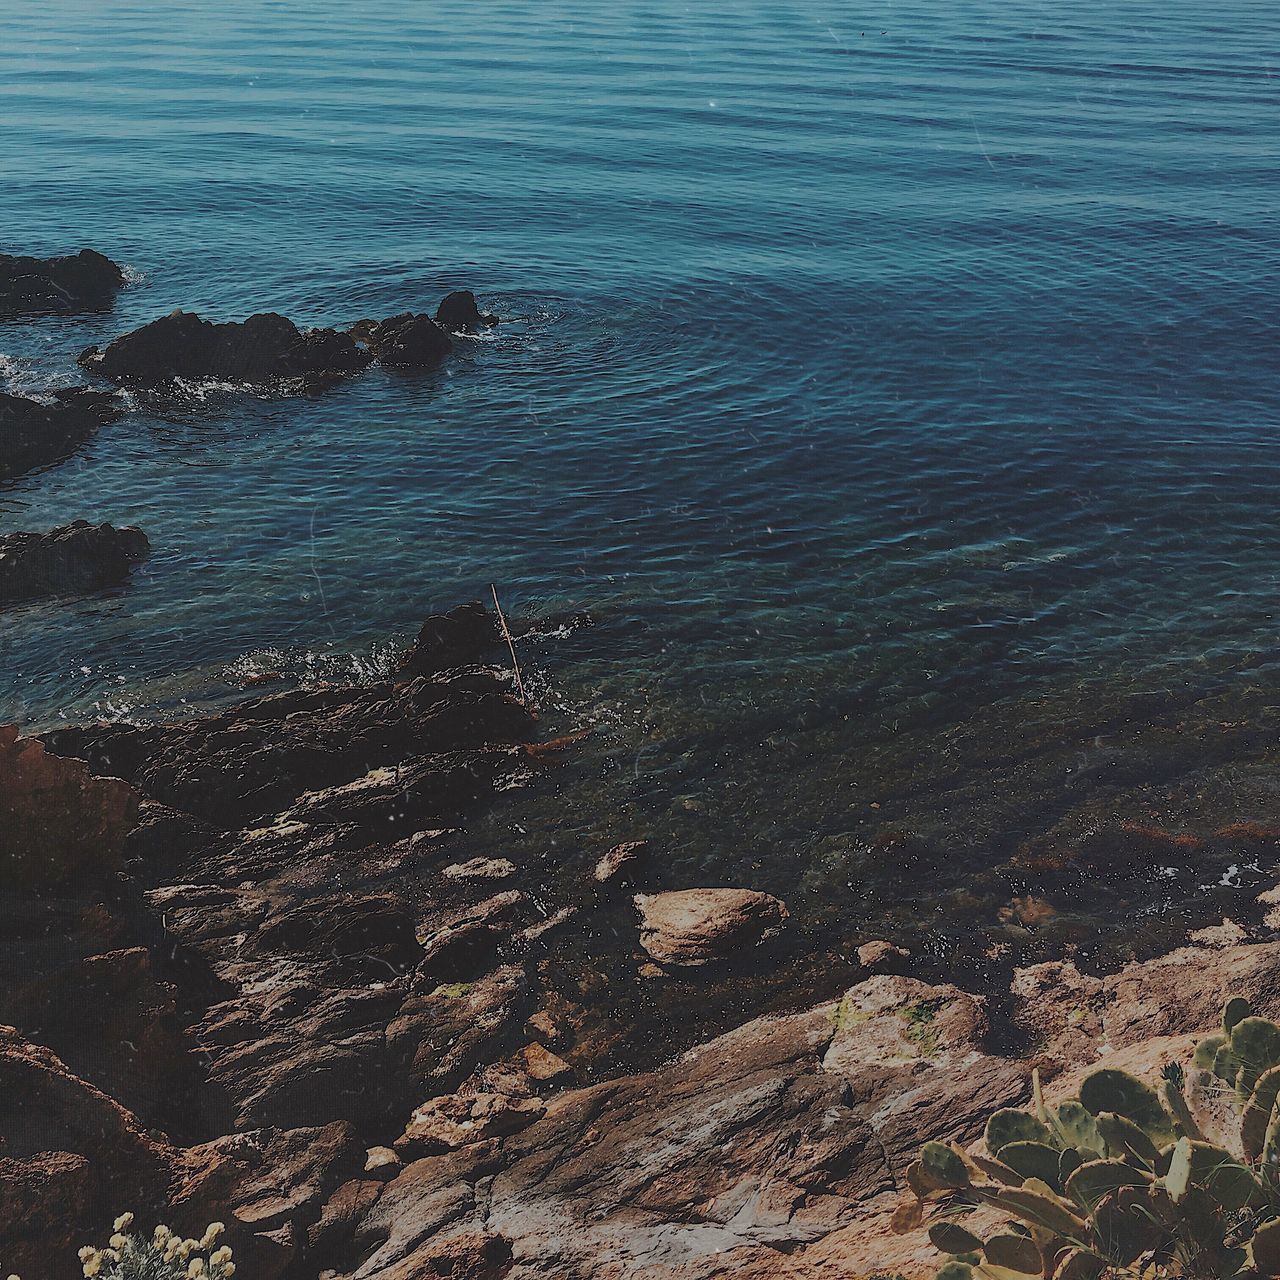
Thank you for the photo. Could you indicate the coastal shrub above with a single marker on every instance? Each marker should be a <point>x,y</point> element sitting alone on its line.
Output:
<point>160,1256</point>
<point>1119,1181</point>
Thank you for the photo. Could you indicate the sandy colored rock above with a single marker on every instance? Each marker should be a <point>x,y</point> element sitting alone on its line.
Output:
<point>479,869</point>
<point>622,861</point>
<point>544,1066</point>
<point>880,955</point>
<point>688,928</point>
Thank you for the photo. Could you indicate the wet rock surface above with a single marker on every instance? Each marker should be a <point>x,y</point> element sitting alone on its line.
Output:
<point>73,559</point>
<point>460,313</point>
<point>85,281</point>
<point>35,433</point>
<point>694,927</point>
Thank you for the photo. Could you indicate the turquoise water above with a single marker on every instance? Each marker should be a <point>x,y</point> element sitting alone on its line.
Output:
<point>897,385</point>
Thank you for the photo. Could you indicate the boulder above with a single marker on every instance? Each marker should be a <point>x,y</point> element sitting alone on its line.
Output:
<point>407,341</point>
<point>459,313</point>
<point>265,350</point>
<point>688,928</point>
<point>35,433</point>
<point>85,281</point>
<point>74,558</point>
<point>460,637</point>
<point>58,821</point>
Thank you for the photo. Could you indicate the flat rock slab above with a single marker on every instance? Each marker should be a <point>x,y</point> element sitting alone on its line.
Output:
<point>35,433</point>
<point>69,560</point>
<point>688,928</point>
<point>84,281</point>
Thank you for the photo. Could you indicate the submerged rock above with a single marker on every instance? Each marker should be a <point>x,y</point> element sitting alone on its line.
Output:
<point>266,349</point>
<point>459,313</point>
<point>34,433</point>
<point>73,558</point>
<point>693,927</point>
<point>85,281</point>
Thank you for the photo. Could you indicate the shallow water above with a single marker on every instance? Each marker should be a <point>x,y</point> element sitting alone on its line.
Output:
<point>896,385</point>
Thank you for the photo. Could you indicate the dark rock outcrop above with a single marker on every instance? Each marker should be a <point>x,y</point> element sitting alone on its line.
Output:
<point>463,635</point>
<point>85,281</point>
<point>265,350</point>
<point>72,559</point>
<point>406,341</point>
<point>34,433</point>
<point>459,313</point>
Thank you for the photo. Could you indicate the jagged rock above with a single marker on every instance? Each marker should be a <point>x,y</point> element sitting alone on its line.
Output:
<point>693,927</point>
<point>58,821</point>
<point>458,1120</point>
<point>479,869</point>
<point>71,559</point>
<point>381,1164</point>
<point>459,313</point>
<point>35,433</point>
<point>266,349</point>
<point>66,1150</point>
<point>543,1066</point>
<point>406,341</point>
<point>85,281</point>
<point>621,862</point>
<point>458,638</point>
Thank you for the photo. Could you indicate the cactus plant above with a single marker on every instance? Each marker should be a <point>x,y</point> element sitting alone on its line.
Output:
<point>1121,1181</point>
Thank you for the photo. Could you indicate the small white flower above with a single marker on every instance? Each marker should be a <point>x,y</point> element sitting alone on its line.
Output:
<point>228,1270</point>
<point>118,1241</point>
<point>196,1269</point>
<point>219,1256</point>
<point>124,1222</point>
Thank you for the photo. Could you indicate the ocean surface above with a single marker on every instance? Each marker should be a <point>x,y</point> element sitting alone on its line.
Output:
<point>897,386</point>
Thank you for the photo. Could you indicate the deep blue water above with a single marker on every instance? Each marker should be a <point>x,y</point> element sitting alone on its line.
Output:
<point>884,377</point>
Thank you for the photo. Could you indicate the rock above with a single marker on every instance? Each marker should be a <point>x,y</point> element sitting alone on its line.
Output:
<point>477,869</point>
<point>458,1120</point>
<point>543,1066</point>
<point>458,638</point>
<point>880,956</point>
<point>60,822</point>
<point>67,1151</point>
<point>85,281</point>
<point>266,349</point>
<point>381,1164</point>
<point>1226,934</point>
<point>459,313</point>
<point>69,560</point>
<point>694,927</point>
<point>407,342</point>
<point>344,1209</point>
<point>35,433</point>
<point>1270,898</point>
<point>622,861</point>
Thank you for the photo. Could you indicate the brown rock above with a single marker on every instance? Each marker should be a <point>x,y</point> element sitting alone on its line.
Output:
<point>694,927</point>
<point>60,822</point>
<point>479,869</point>
<point>381,1163</point>
<point>444,1124</point>
<point>881,956</point>
<point>544,1066</point>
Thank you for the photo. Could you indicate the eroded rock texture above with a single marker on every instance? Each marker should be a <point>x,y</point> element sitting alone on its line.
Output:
<point>75,558</point>
<point>85,281</point>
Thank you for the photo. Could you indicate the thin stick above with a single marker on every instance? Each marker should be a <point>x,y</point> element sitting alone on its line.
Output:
<point>506,635</point>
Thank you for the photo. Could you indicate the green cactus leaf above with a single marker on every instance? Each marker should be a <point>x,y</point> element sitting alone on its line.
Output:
<point>1226,1066</point>
<point>1264,1249</point>
<point>1124,1221</point>
<point>951,1237</point>
<point>1092,1181</point>
<point>955,1270</point>
<point>1207,1051</point>
<point>1007,1125</point>
<point>1270,1164</point>
<point>1124,1138</point>
<point>1038,1206</point>
<point>1068,1162</point>
<point>1014,1253</point>
<point>942,1167</point>
<point>1255,1042</point>
<point>1219,1173</point>
<point>1079,1128</point>
<point>1032,1160</point>
<point>1178,1177</point>
<point>989,1271</point>
<point>1257,1113</point>
<point>998,1170</point>
<point>1126,1095</point>
<point>1176,1102</point>
<point>1235,1010</point>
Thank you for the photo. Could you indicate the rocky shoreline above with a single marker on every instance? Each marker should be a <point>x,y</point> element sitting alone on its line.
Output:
<point>253,971</point>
